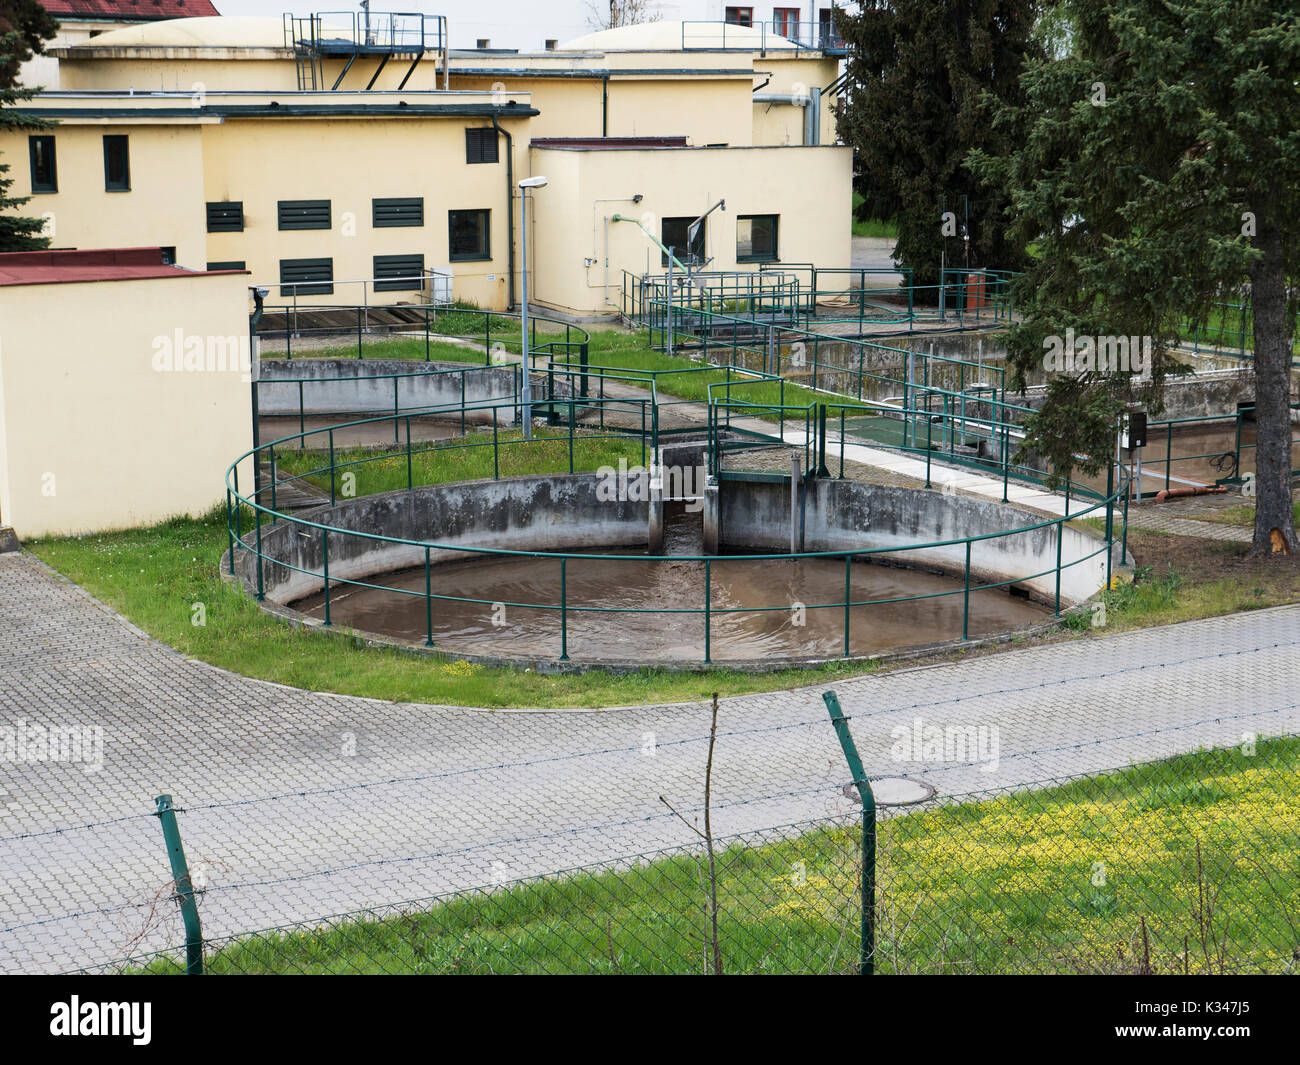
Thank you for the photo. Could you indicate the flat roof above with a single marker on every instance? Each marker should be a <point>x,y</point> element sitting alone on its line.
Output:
<point>97,264</point>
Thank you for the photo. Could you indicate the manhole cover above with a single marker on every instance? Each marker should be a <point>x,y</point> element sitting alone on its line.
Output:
<point>895,791</point>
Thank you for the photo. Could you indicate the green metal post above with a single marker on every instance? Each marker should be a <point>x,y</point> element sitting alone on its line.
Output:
<point>409,477</point>
<point>428,601</point>
<point>708,594</point>
<point>230,532</point>
<point>496,450</point>
<point>166,813</point>
<point>867,960</point>
<point>570,436</point>
<point>965,607</point>
<point>848,599</point>
<point>325,569</point>
<point>564,610</point>
<point>1060,538</point>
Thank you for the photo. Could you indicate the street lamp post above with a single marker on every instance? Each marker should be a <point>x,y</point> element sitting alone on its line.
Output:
<point>527,397</point>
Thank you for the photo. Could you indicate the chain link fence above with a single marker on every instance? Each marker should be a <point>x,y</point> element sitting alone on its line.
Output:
<point>1189,865</point>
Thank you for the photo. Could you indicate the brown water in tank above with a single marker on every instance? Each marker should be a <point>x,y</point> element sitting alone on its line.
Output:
<point>651,608</point>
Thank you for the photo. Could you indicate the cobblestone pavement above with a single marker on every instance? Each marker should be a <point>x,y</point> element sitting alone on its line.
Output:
<point>1152,518</point>
<point>297,805</point>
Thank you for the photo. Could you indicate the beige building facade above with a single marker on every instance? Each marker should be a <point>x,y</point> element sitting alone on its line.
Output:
<point>197,135</point>
<point>124,389</point>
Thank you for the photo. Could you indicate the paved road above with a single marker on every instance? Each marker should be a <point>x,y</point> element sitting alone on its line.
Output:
<point>404,801</point>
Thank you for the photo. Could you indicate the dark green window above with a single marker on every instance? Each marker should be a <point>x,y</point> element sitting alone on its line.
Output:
<point>226,216</point>
<point>232,264</point>
<point>470,235</point>
<point>117,163</point>
<point>45,174</point>
<point>306,277</point>
<point>399,273</point>
<point>756,237</point>
<point>397,211</point>
<point>673,233</point>
<point>304,214</point>
<point>481,145</point>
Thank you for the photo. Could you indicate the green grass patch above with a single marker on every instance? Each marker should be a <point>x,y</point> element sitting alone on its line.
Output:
<point>475,456</point>
<point>1198,850</point>
<point>872,227</point>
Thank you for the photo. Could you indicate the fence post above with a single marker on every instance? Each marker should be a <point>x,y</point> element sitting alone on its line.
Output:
<point>965,606</point>
<point>564,610</point>
<point>848,599</point>
<point>867,961</point>
<point>708,593</point>
<point>166,814</point>
<point>428,602</point>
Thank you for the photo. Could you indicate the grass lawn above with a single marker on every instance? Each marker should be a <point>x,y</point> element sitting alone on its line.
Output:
<point>1201,849</point>
<point>384,469</point>
<point>872,227</point>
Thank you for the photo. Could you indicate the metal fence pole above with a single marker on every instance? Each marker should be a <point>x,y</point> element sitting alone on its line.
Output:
<point>166,814</point>
<point>867,959</point>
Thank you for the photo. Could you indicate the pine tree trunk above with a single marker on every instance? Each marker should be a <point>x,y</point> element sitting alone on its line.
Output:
<point>1274,519</point>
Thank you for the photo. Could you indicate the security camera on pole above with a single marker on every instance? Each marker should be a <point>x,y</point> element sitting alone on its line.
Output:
<point>524,185</point>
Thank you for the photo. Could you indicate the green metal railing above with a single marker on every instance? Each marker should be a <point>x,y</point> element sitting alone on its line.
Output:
<point>500,332</point>
<point>249,512</point>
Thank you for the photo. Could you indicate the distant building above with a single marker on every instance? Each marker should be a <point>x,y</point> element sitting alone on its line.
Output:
<point>82,20</point>
<point>320,152</point>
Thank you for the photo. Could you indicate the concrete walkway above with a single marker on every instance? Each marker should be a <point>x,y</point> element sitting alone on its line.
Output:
<point>299,804</point>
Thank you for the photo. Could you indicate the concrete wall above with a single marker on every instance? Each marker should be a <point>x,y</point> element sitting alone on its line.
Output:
<point>373,386</point>
<point>96,430</point>
<point>555,513</point>
<point>562,512</point>
<point>846,515</point>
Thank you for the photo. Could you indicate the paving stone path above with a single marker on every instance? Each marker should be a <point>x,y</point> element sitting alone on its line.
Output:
<point>297,805</point>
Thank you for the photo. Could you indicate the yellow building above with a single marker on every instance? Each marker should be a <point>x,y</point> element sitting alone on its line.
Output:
<point>318,154</point>
<point>123,389</point>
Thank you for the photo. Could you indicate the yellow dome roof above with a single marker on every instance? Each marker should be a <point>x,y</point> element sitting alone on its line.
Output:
<point>226,31</point>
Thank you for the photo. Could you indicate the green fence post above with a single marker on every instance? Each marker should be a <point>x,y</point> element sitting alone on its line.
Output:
<point>848,599</point>
<point>965,606</point>
<point>166,813</point>
<point>570,436</point>
<point>332,489</point>
<point>708,594</point>
<point>496,450</point>
<point>867,960</point>
<point>230,532</point>
<point>409,479</point>
<point>257,511</point>
<point>325,570</point>
<point>564,610</point>
<point>428,602</point>
<point>1060,537</point>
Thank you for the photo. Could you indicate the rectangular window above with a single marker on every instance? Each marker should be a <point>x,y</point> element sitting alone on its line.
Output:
<point>306,277</point>
<point>672,232</point>
<point>469,236</point>
<point>226,216</point>
<point>785,22</point>
<point>304,214</point>
<point>481,145</point>
<point>231,264</point>
<point>399,273</point>
<point>756,238</point>
<point>45,175</point>
<point>398,211</point>
<point>117,163</point>
<point>740,16</point>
